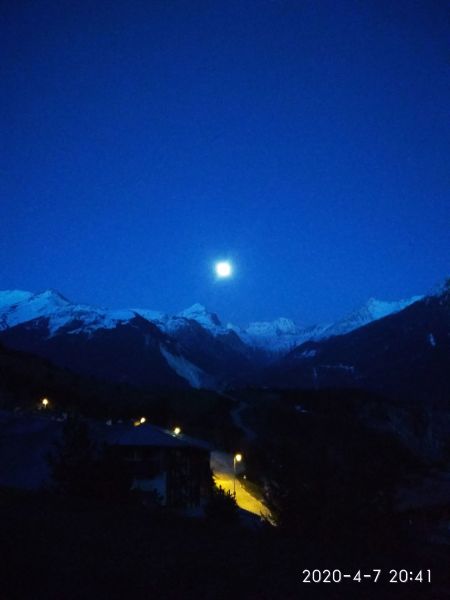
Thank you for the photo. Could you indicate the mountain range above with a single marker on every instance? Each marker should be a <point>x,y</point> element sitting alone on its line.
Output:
<point>142,347</point>
<point>282,335</point>
<point>407,352</point>
<point>393,346</point>
<point>192,344</point>
<point>399,352</point>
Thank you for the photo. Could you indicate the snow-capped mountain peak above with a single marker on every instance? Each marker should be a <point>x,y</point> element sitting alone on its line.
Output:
<point>278,336</point>
<point>372,310</point>
<point>18,307</point>
<point>279,326</point>
<point>380,308</point>
<point>197,312</point>
<point>10,298</point>
<point>54,296</point>
<point>282,335</point>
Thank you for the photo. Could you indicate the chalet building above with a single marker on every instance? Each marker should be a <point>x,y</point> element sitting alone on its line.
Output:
<point>174,467</point>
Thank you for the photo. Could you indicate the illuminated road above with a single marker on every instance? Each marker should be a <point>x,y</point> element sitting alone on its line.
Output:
<point>222,467</point>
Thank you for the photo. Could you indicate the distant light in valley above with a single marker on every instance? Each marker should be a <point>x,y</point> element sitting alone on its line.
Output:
<point>223,269</point>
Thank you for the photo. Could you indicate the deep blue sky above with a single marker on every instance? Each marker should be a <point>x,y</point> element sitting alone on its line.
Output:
<point>307,140</point>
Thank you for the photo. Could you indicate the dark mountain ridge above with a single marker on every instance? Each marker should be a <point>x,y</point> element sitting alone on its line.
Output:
<point>406,354</point>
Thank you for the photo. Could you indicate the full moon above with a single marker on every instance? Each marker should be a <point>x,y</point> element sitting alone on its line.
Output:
<point>223,269</point>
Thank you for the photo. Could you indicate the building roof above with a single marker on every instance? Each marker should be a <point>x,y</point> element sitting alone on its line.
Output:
<point>26,440</point>
<point>145,435</point>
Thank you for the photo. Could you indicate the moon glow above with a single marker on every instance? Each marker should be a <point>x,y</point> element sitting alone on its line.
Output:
<point>223,269</point>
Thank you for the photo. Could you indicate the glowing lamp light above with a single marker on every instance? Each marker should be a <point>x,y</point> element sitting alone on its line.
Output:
<point>45,402</point>
<point>223,269</point>
<point>236,458</point>
<point>142,420</point>
<point>177,431</point>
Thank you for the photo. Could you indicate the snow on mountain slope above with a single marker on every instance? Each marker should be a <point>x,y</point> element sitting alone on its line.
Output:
<point>280,326</point>
<point>278,336</point>
<point>192,345</point>
<point>175,325</point>
<point>371,311</point>
<point>154,316</point>
<point>197,312</point>
<point>403,356</point>
<point>12,297</point>
<point>18,307</point>
<point>195,376</point>
<point>282,335</point>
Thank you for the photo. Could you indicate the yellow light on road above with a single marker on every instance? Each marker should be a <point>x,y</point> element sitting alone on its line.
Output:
<point>177,431</point>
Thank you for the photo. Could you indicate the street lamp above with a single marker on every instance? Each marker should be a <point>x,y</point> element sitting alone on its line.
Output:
<point>177,431</point>
<point>236,458</point>
<point>44,402</point>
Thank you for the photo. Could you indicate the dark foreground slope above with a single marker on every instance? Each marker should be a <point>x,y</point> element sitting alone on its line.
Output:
<point>25,379</point>
<point>129,353</point>
<point>59,550</point>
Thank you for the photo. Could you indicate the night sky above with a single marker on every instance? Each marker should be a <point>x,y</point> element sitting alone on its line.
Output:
<point>307,141</point>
